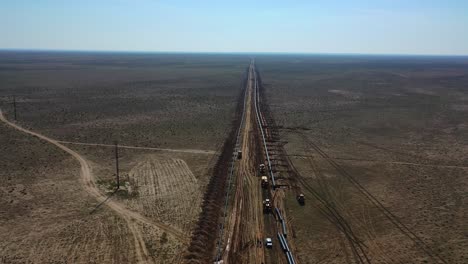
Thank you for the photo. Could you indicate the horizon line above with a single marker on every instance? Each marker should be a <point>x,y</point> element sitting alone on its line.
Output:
<point>231,52</point>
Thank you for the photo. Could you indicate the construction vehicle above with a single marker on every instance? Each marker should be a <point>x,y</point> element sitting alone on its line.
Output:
<point>264,181</point>
<point>267,206</point>
<point>301,199</point>
<point>262,168</point>
<point>239,154</point>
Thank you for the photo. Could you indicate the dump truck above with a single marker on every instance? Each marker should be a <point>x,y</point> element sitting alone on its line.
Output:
<point>266,205</point>
<point>262,168</point>
<point>239,154</point>
<point>301,199</point>
<point>264,180</point>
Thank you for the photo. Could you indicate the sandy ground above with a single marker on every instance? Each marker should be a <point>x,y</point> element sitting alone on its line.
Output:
<point>45,212</point>
<point>248,224</point>
<point>381,153</point>
<point>166,189</point>
<point>132,219</point>
<point>247,216</point>
<point>169,112</point>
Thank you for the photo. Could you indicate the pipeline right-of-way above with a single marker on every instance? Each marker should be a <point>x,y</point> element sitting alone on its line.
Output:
<point>282,233</point>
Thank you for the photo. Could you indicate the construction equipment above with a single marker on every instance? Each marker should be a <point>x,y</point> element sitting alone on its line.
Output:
<point>239,154</point>
<point>262,168</point>
<point>267,206</point>
<point>301,199</point>
<point>264,180</point>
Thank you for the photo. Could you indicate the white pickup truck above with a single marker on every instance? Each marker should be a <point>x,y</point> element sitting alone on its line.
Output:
<point>268,242</point>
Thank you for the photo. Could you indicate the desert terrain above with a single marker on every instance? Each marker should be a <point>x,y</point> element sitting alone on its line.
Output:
<point>170,115</point>
<point>382,141</point>
<point>377,144</point>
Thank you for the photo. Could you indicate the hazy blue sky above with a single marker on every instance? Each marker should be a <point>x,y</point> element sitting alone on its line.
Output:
<point>314,26</point>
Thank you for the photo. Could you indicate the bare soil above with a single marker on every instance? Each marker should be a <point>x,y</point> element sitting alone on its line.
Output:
<point>170,112</point>
<point>246,229</point>
<point>45,215</point>
<point>165,188</point>
<point>391,128</point>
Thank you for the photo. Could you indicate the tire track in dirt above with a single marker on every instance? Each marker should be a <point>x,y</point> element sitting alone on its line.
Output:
<point>274,154</point>
<point>409,233</point>
<point>87,179</point>
<point>248,216</point>
<point>335,217</point>
<point>385,162</point>
<point>270,154</point>
<point>281,158</point>
<point>363,222</point>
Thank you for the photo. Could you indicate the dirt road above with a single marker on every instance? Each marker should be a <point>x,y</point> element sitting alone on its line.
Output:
<point>247,218</point>
<point>87,179</point>
<point>248,224</point>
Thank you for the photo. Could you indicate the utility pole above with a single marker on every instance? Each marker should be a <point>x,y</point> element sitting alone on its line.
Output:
<point>14,105</point>
<point>117,164</point>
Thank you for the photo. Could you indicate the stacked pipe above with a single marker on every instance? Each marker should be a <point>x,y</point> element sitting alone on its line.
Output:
<point>257,112</point>
<point>283,224</point>
<point>285,247</point>
<point>281,236</point>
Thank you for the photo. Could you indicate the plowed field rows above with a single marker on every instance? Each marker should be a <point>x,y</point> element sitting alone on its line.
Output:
<point>165,188</point>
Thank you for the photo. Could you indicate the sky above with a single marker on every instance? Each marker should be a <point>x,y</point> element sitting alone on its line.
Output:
<point>437,27</point>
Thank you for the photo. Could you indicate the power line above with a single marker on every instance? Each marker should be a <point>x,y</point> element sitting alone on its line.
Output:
<point>117,164</point>
<point>14,105</point>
